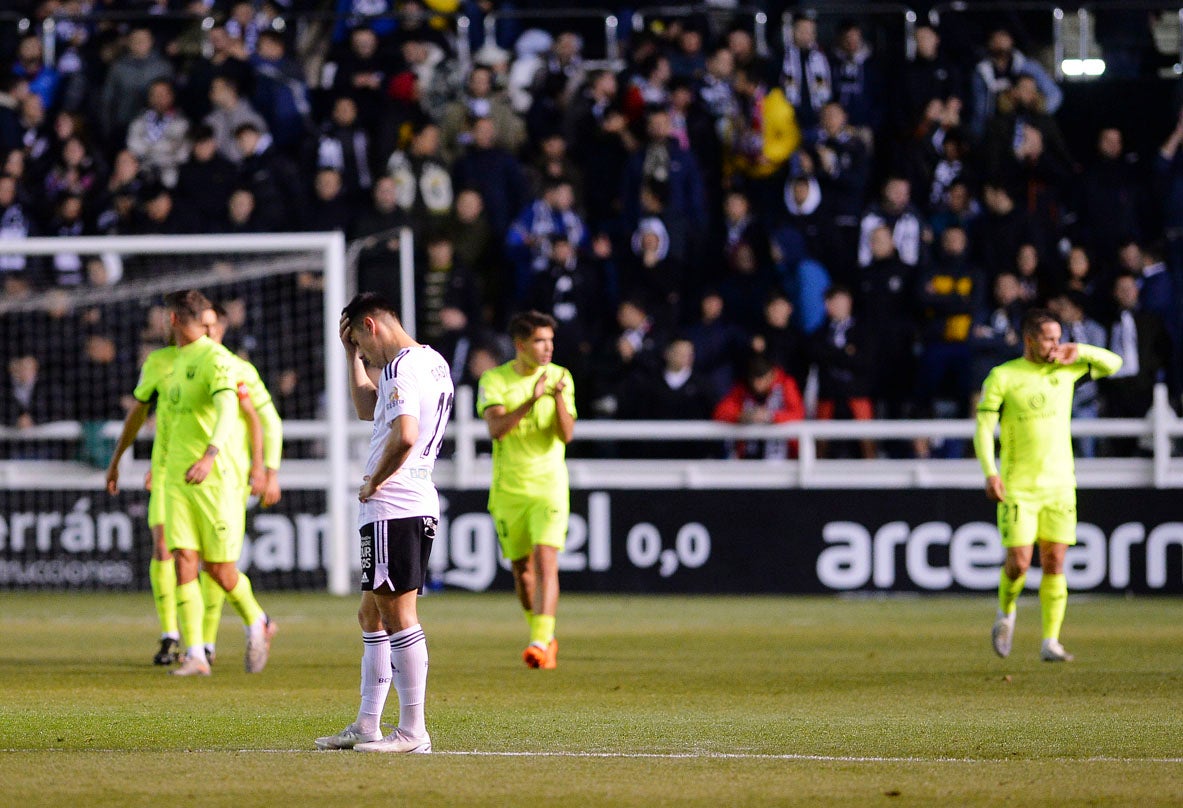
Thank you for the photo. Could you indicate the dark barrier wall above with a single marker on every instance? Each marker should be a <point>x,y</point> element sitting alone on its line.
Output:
<point>644,541</point>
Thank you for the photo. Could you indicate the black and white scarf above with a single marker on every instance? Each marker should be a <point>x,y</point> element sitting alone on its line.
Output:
<point>806,72</point>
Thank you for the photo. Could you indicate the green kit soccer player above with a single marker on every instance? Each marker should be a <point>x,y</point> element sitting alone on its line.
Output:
<point>529,405</point>
<point>204,487</point>
<point>1036,487</point>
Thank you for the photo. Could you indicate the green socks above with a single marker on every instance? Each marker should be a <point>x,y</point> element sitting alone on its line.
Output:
<point>190,611</point>
<point>163,577</point>
<point>1008,591</point>
<point>214,596</point>
<point>242,598</point>
<point>1053,602</point>
<point>542,629</point>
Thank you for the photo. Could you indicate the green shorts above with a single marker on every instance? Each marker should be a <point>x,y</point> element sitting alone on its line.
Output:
<point>208,518</point>
<point>524,522</point>
<point>156,499</point>
<point>1025,518</point>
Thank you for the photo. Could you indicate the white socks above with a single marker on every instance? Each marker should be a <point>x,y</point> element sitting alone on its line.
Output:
<point>375,679</point>
<point>408,657</point>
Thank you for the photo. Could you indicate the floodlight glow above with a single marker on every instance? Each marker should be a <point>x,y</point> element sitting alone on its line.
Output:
<point>1083,67</point>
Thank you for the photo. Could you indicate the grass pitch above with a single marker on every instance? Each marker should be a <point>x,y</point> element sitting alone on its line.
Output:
<point>657,701</point>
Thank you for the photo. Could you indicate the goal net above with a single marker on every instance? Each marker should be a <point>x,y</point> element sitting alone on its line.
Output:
<point>77,317</point>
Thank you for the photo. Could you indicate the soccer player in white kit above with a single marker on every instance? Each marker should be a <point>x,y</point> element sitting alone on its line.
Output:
<point>398,516</point>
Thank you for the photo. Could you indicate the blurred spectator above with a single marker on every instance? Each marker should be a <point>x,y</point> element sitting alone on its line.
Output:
<point>377,227</point>
<point>558,77</point>
<point>1000,71</point>
<point>422,179</point>
<point>160,215</point>
<point>362,74</point>
<point>1032,275</point>
<point>649,88</point>
<point>230,112</point>
<point>886,302</point>
<point>572,291</point>
<point>494,174</point>
<point>1025,152</point>
<point>758,140</point>
<point>601,143</point>
<point>443,284</point>
<point>15,223</point>
<point>996,335</point>
<point>126,85</point>
<point>843,351</point>
<point>40,79</point>
<point>480,100</point>
<point>157,136</point>
<point>205,180</point>
<point>778,338</point>
<point>101,396</point>
<point>12,90</point>
<point>801,277</point>
<point>346,146</point>
<point>745,55</point>
<point>528,241</point>
<point>958,208</point>
<point>67,221</point>
<point>1142,342</point>
<point>856,77</point>
<point>1077,327</point>
<point>654,274</point>
<point>436,76</point>
<point>553,163</point>
<point>1080,280</point>
<point>998,233</point>
<point>1109,199</point>
<point>634,347</point>
<point>663,161</point>
<point>29,399</point>
<point>227,58</point>
<point>1157,293</point>
<point>472,239</point>
<point>273,179</point>
<point>894,212</point>
<point>280,94</point>
<point>929,76</point>
<point>767,395</point>
<point>946,297</point>
<point>243,214</point>
<point>719,344</point>
<point>672,392</point>
<point>839,161</point>
<point>1168,174</point>
<point>331,209</point>
<point>74,172</point>
<point>805,72</point>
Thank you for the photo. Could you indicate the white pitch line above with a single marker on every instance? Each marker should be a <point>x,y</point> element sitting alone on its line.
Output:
<point>665,756</point>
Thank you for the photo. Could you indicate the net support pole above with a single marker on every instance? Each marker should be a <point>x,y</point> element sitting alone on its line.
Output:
<point>406,279</point>
<point>337,414</point>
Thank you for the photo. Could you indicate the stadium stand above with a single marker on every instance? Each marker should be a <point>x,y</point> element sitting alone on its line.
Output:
<point>653,177</point>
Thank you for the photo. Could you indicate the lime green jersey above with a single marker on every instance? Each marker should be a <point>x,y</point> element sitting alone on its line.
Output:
<point>1034,403</point>
<point>202,372</point>
<point>153,383</point>
<point>248,384</point>
<point>531,457</point>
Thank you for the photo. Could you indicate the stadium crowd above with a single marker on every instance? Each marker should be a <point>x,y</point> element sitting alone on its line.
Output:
<point>708,225</point>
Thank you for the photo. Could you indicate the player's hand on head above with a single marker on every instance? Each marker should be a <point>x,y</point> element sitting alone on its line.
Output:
<point>343,331</point>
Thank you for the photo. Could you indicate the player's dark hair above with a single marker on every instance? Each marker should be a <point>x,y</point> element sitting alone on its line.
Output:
<point>367,304</point>
<point>525,323</point>
<point>1034,320</point>
<point>187,304</point>
<point>220,312</point>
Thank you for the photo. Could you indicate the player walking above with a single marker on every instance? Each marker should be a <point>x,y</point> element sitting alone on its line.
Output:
<point>529,406</point>
<point>398,516</point>
<point>1036,488</point>
<point>204,486</point>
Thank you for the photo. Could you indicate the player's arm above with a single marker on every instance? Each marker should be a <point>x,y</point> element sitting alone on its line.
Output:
<point>226,410</point>
<point>1101,362</point>
<point>501,421</point>
<point>989,408</point>
<point>362,389</point>
<point>564,417</point>
<point>272,451</point>
<point>131,427</point>
<point>255,432</point>
<point>403,434</point>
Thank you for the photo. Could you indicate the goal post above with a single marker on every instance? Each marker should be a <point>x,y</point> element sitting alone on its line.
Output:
<point>196,261</point>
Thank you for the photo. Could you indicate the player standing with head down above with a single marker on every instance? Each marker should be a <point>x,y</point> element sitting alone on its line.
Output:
<point>398,516</point>
<point>529,405</point>
<point>1036,487</point>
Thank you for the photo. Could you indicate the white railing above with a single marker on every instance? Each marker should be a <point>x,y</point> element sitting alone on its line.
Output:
<point>469,465</point>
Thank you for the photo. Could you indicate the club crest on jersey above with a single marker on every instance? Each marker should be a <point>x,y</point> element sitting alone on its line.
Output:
<point>395,396</point>
<point>1037,401</point>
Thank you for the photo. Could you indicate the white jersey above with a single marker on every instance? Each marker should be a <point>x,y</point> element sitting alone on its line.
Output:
<point>416,383</point>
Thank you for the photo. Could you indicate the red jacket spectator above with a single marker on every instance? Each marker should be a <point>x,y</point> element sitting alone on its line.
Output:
<point>767,395</point>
